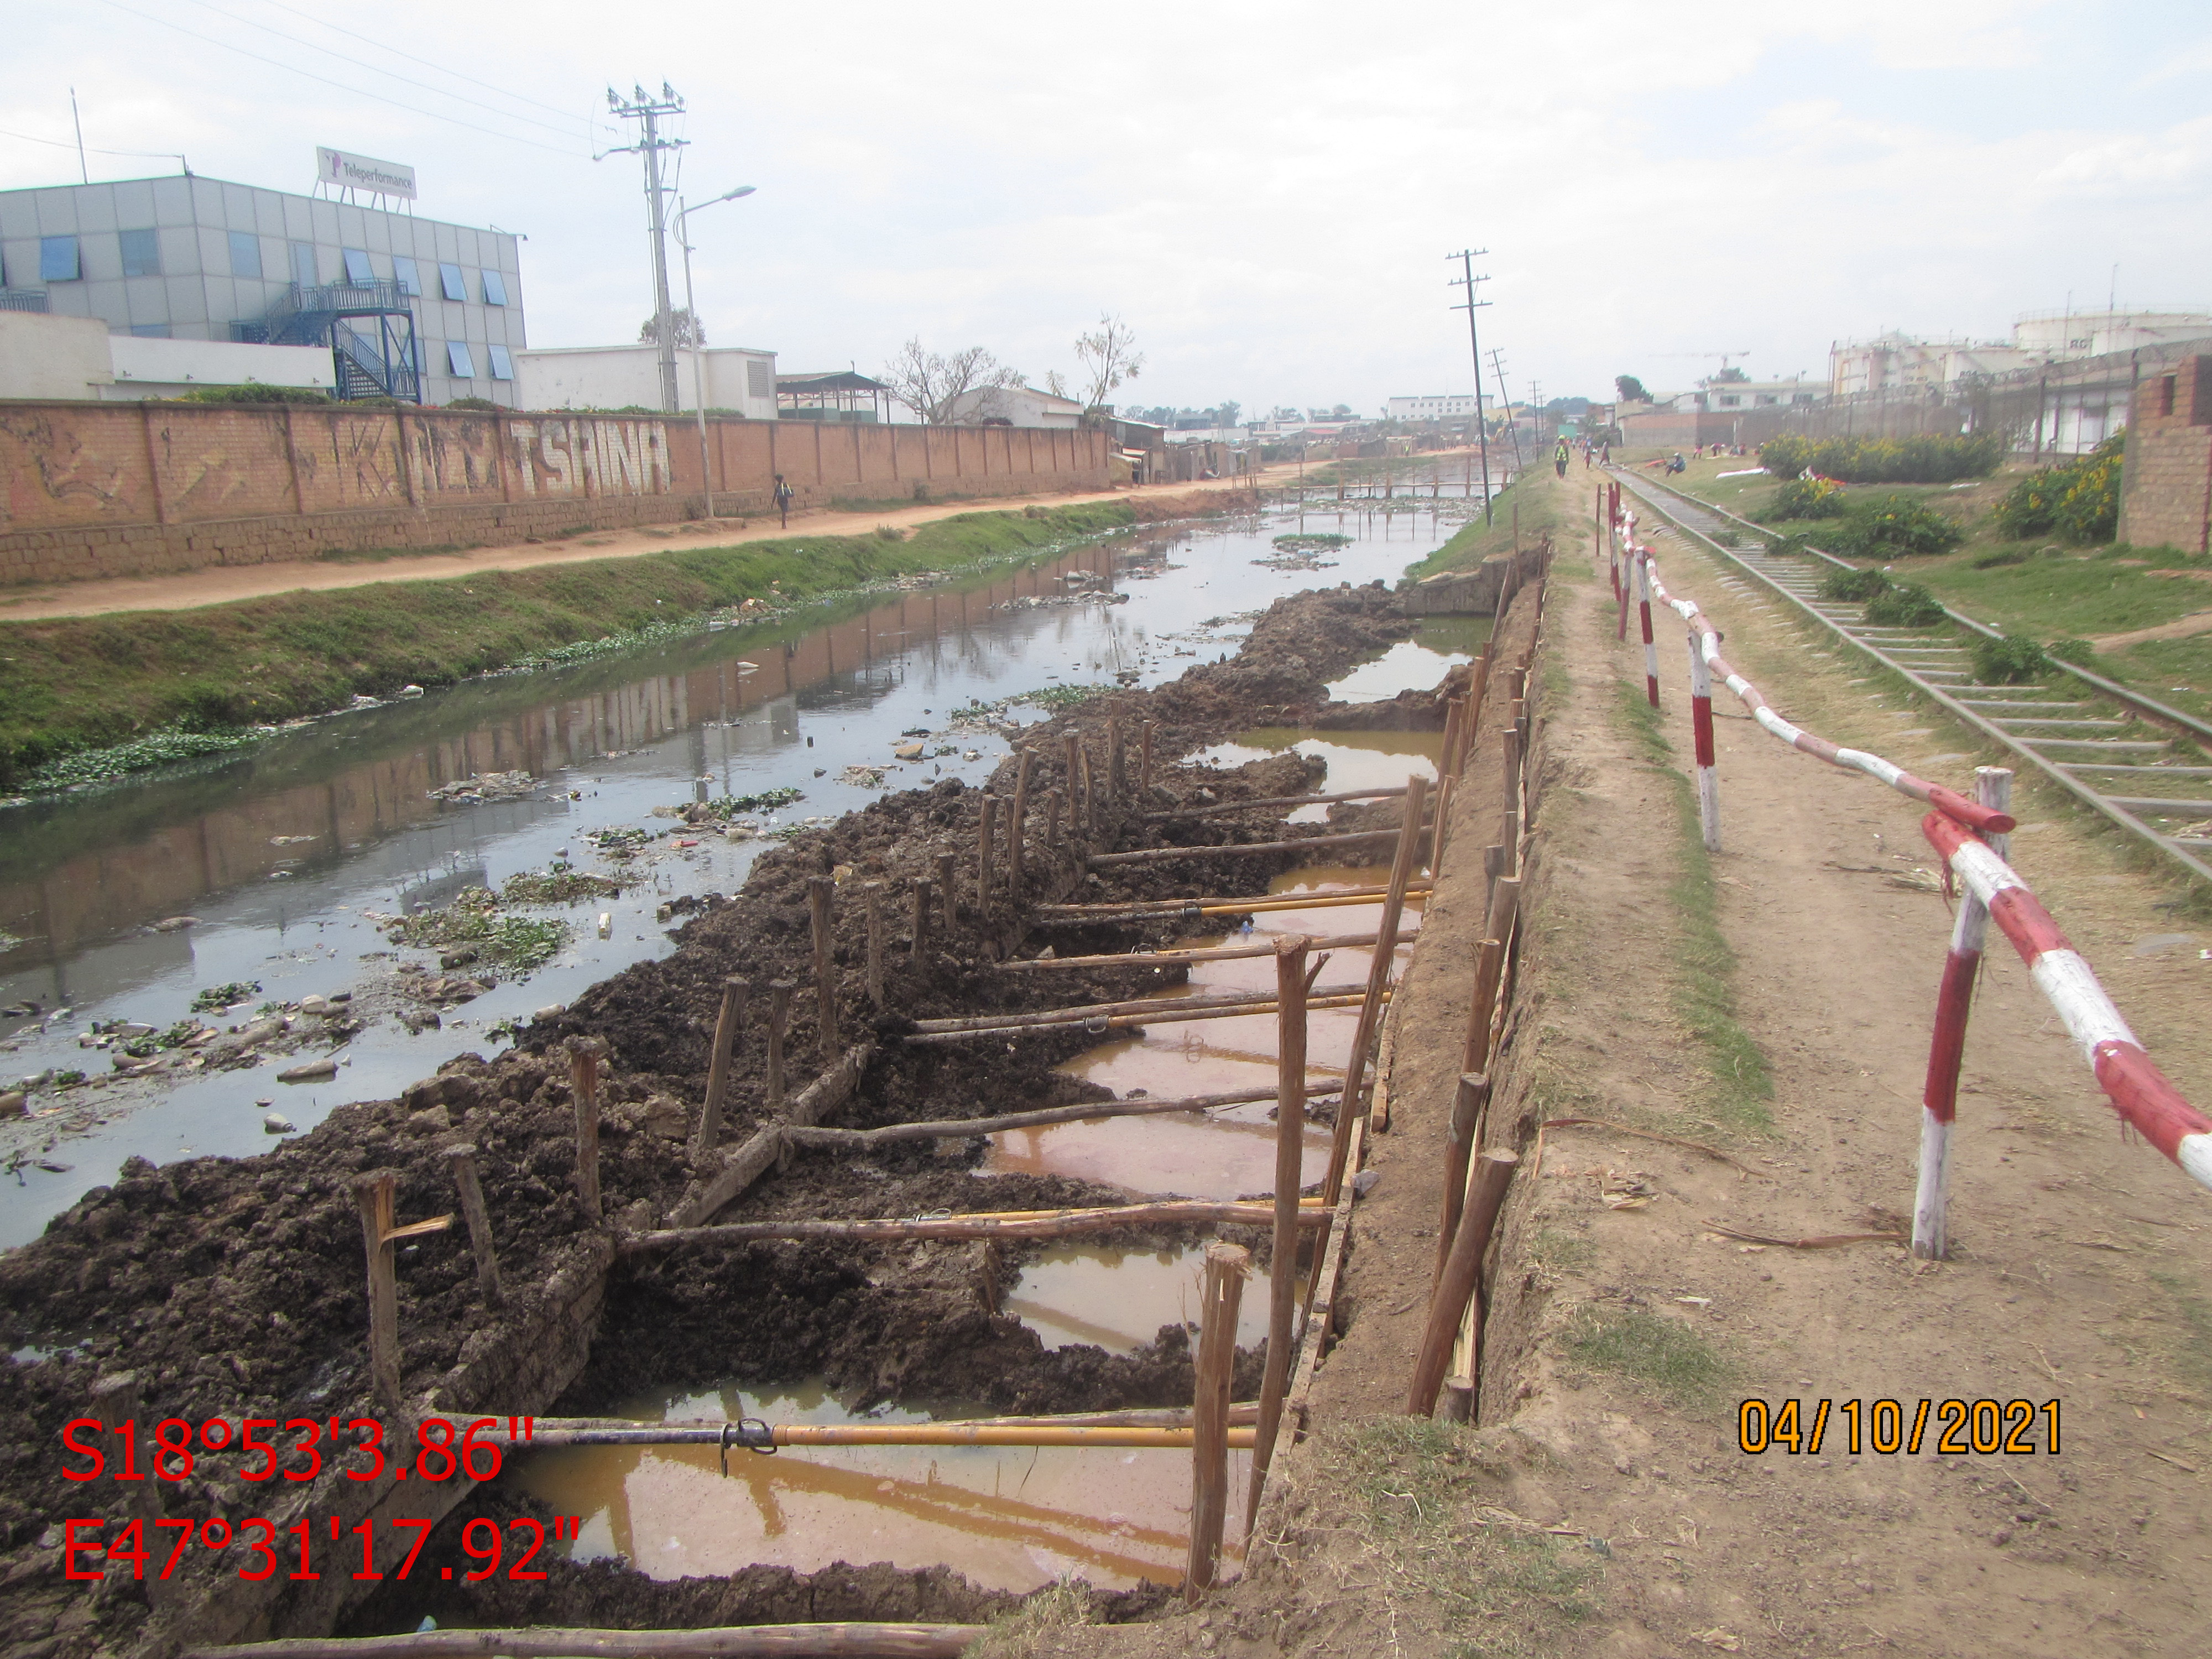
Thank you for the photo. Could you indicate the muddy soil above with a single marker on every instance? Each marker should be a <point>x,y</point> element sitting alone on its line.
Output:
<point>234,1288</point>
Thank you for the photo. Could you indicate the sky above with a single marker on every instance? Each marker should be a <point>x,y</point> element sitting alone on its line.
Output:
<point>1265,194</point>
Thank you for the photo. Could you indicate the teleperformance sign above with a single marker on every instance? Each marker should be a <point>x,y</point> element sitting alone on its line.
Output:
<point>350,172</point>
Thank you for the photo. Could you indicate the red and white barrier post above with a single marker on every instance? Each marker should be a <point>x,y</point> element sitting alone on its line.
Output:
<point>1954,999</point>
<point>2143,1096</point>
<point>1621,584</point>
<point>1651,646</point>
<point>1701,731</point>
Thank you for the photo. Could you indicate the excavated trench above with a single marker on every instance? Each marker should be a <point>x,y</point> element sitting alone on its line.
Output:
<point>234,1288</point>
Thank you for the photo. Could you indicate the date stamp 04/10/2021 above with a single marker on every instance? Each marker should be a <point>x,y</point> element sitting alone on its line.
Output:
<point>1985,1427</point>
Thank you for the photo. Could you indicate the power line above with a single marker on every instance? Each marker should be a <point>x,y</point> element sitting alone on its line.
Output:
<point>373,97</point>
<point>61,143</point>
<point>519,98</point>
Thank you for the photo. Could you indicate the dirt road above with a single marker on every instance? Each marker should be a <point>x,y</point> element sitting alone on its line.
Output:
<point>225,584</point>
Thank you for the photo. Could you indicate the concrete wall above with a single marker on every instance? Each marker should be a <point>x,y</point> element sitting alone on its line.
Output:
<point>163,368</point>
<point>105,489</point>
<point>613,377</point>
<point>2165,498</point>
<point>43,357</point>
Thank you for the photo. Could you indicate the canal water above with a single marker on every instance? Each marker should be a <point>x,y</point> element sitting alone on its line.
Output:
<point>284,858</point>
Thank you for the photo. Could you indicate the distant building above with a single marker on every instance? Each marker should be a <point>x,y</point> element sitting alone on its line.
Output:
<point>1896,361</point>
<point>1719,396</point>
<point>46,356</point>
<point>1016,405</point>
<point>410,307</point>
<point>738,378</point>
<point>1452,406</point>
<point>836,396</point>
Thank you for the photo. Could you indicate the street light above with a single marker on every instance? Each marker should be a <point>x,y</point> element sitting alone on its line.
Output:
<point>698,347</point>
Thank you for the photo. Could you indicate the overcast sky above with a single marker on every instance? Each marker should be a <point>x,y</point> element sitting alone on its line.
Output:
<point>1264,193</point>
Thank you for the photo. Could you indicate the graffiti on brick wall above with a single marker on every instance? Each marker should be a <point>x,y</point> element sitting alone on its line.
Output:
<point>52,474</point>
<point>457,457</point>
<point>594,458</point>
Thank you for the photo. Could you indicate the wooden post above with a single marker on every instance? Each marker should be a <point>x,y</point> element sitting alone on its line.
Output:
<point>1510,838</point>
<point>1226,1267</point>
<point>985,834</point>
<point>729,1026</point>
<point>373,1195</point>
<point>779,1015</point>
<point>117,1399</point>
<point>1017,826</point>
<point>584,1079</point>
<point>874,893</point>
<point>1441,835</point>
<point>945,889</point>
<point>1472,1095</point>
<point>1071,755</point>
<point>1290,1165</point>
<point>1456,1286</point>
<point>1090,811</point>
<point>1145,763</point>
<point>818,892</point>
<point>1117,780</point>
<point>1052,797</point>
<point>464,1162</point>
<point>921,895</point>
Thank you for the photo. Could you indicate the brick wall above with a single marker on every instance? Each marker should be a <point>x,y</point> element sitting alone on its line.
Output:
<point>109,490</point>
<point>2166,497</point>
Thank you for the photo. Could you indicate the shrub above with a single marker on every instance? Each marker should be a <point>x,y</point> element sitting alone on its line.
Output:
<point>1854,587</point>
<point>484,404</point>
<point>1904,606</point>
<point>2079,500</point>
<point>1926,459</point>
<point>2009,661</point>
<point>1895,526</point>
<point>252,393</point>
<point>2004,555</point>
<point>2073,651</point>
<point>1805,498</point>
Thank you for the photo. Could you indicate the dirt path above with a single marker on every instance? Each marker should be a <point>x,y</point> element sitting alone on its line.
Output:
<point>1623,1338</point>
<point>225,584</point>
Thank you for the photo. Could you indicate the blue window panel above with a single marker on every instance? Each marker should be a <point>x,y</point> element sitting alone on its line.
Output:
<point>449,278</point>
<point>142,253</point>
<point>357,267</point>
<point>502,366</point>
<point>494,288</point>
<point>405,273</point>
<point>457,360</point>
<point>245,254</point>
<point>57,261</point>
<point>303,265</point>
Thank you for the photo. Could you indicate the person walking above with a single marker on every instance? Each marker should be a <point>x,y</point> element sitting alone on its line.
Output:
<point>784,492</point>
<point>1559,459</point>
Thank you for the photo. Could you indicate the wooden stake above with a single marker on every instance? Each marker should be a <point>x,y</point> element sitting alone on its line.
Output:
<point>1510,838</point>
<point>920,918</point>
<point>1289,1166</point>
<point>820,891</point>
<point>1467,1102</point>
<point>779,1016</point>
<point>987,826</point>
<point>1145,761</point>
<point>945,889</point>
<point>1440,837</point>
<point>1378,977</point>
<point>1017,828</point>
<point>584,1086</point>
<point>1052,798</point>
<point>1117,771</point>
<point>1008,1224</point>
<point>1457,1285</point>
<point>1489,962</point>
<point>872,893</point>
<point>1227,1266</point>
<point>373,1195</point>
<point>463,1160</point>
<point>1071,768</point>
<point>729,1027</point>
<point>1090,795</point>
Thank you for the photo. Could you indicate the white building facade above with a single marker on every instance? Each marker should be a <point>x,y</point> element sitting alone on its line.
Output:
<point>1451,406</point>
<point>736,377</point>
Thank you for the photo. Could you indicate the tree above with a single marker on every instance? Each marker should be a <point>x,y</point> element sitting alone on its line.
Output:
<point>1631,389</point>
<point>1227,413</point>
<point>930,384</point>
<point>1109,359</point>
<point>688,329</point>
<point>1056,383</point>
<point>1730,374</point>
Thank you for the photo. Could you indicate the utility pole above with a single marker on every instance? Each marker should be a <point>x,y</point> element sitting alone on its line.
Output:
<point>1512,426</point>
<point>642,106</point>
<point>1536,409</point>
<point>1467,279</point>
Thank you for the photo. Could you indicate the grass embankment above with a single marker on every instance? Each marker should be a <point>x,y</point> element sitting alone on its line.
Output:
<point>173,683</point>
<point>2037,587</point>
<point>1537,502</point>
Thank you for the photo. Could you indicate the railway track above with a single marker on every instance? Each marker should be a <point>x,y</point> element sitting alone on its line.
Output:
<point>2137,762</point>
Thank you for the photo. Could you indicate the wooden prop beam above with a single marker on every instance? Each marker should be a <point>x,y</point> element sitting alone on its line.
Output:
<point>1171,958</point>
<point>1218,809</point>
<point>964,1128</point>
<point>1170,1013</point>
<point>1238,850</point>
<point>1006,1224</point>
<point>729,1027</point>
<point>1098,1010</point>
<point>1290,1167</point>
<point>1251,905</point>
<point>1456,1286</point>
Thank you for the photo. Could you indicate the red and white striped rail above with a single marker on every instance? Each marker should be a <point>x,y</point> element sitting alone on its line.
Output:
<point>1646,580</point>
<point>2145,1098</point>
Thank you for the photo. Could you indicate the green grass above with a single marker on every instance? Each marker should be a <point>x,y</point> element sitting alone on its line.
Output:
<point>1665,1355</point>
<point>178,679</point>
<point>1741,1082</point>
<point>1541,501</point>
<point>1420,1500</point>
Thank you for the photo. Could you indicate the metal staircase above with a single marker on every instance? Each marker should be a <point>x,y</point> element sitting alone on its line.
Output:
<point>369,326</point>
